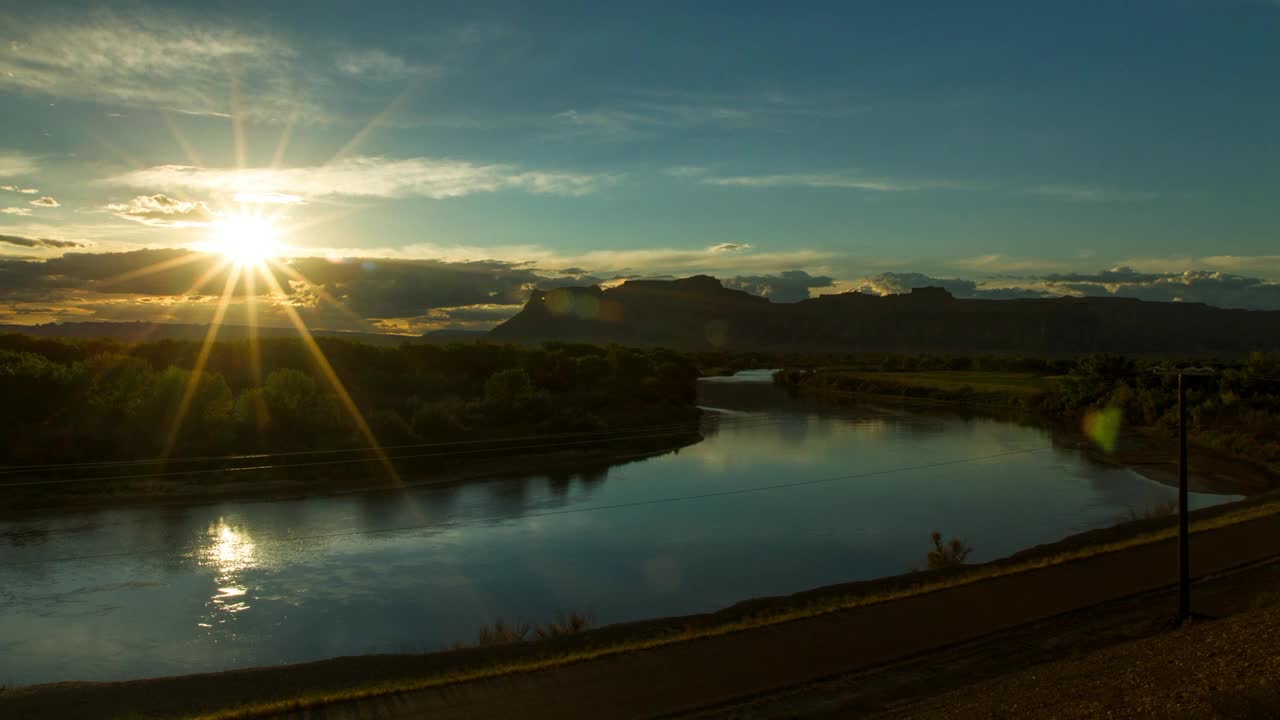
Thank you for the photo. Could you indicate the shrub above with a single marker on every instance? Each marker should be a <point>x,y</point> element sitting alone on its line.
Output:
<point>502,633</point>
<point>574,622</point>
<point>950,554</point>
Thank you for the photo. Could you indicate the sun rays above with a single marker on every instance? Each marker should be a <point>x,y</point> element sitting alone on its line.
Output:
<point>244,243</point>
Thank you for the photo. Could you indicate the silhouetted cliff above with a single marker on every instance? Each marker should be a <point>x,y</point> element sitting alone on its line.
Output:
<point>699,313</point>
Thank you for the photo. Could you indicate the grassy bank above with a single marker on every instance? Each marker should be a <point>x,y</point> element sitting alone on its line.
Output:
<point>1019,391</point>
<point>1235,412</point>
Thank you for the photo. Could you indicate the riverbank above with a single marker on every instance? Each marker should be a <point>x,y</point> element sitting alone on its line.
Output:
<point>267,478</point>
<point>704,659</point>
<point>1021,397</point>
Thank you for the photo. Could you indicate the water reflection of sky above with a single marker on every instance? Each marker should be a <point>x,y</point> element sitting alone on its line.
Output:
<point>238,584</point>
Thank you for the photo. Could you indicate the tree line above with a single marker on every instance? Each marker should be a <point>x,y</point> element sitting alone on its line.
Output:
<point>74,400</point>
<point>1237,409</point>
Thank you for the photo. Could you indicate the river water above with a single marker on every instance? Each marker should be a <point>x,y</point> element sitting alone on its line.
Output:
<point>781,496</point>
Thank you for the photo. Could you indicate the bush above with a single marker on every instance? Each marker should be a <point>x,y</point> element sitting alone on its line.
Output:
<point>502,632</point>
<point>951,554</point>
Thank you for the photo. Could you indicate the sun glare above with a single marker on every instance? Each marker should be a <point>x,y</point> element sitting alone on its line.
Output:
<point>246,239</point>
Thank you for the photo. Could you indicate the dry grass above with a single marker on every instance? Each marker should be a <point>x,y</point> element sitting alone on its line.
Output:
<point>978,380</point>
<point>818,607</point>
<point>1168,508</point>
<point>502,632</point>
<point>574,622</point>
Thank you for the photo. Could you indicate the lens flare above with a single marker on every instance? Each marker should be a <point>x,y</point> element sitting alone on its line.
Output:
<point>1103,427</point>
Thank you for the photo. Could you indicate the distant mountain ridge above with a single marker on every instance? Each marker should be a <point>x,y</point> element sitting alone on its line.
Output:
<point>698,313</point>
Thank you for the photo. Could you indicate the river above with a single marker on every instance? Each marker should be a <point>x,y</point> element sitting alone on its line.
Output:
<point>782,495</point>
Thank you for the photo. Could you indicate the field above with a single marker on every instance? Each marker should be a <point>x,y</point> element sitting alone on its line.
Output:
<point>978,380</point>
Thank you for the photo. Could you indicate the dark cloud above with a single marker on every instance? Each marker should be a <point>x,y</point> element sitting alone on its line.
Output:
<point>1212,288</point>
<point>383,288</point>
<point>787,286</point>
<point>143,272</point>
<point>163,211</point>
<point>475,313</point>
<point>45,202</point>
<point>178,285</point>
<point>39,242</point>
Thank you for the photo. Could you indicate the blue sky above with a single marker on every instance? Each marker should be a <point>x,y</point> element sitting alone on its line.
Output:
<point>1005,147</point>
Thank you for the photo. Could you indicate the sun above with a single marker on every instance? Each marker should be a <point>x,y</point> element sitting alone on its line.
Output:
<point>246,239</point>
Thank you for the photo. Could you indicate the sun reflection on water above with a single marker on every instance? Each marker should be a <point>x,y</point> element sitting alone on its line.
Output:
<point>229,551</point>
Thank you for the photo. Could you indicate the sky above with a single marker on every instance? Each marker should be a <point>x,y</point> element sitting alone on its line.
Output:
<point>420,166</point>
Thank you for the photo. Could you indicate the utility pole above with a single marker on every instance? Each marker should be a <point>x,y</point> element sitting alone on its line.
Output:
<point>1184,525</point>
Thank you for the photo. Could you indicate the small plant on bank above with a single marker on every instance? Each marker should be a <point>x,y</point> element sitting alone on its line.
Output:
<point>574,622</point>
<point>950,554</point>
<point>502,632</point>
<point>1165,509</point>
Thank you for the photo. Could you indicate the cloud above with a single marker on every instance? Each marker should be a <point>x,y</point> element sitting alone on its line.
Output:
<point>15,211</point>
<point>644,113</point>
<point>729,247</point>
<point>1086,193</point>
<point>687,170</point>
<point>1203,286</point>
<point>154,59</point>
<point>367,177</point>
<point>15,188</point>
<point>841,181</point>
<point>412,295</point>
<point>996,262</point>
<point>267,198</point>
<point>1237,263</point>
<point>1215,288</point>
<point>14,163</point>
<point>22,241</point>
<point>379,66</point>
<point>787,286</point>
<point>164,211</point>
<point>46,201</point>
<point>418,295</point>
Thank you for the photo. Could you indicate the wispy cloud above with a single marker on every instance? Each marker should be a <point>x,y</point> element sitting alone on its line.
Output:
<point>842,181</point>
<point>15,163</point>
<point>152,59</point>
<point>649,112</point>
<point>45,202</point>
<point>996,262</point>
<point>164,211</point>
<point>717,259</point>
<point>380,66</point>
<point>1087,193</point>
<point>267,198</point>
<point>43,242</point>
<point>15,188</point>
<point>15,211</point>
<point>366,177</point>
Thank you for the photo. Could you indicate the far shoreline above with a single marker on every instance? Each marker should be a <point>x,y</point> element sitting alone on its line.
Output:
<point>1141,450</point>
<point>286,485</point>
